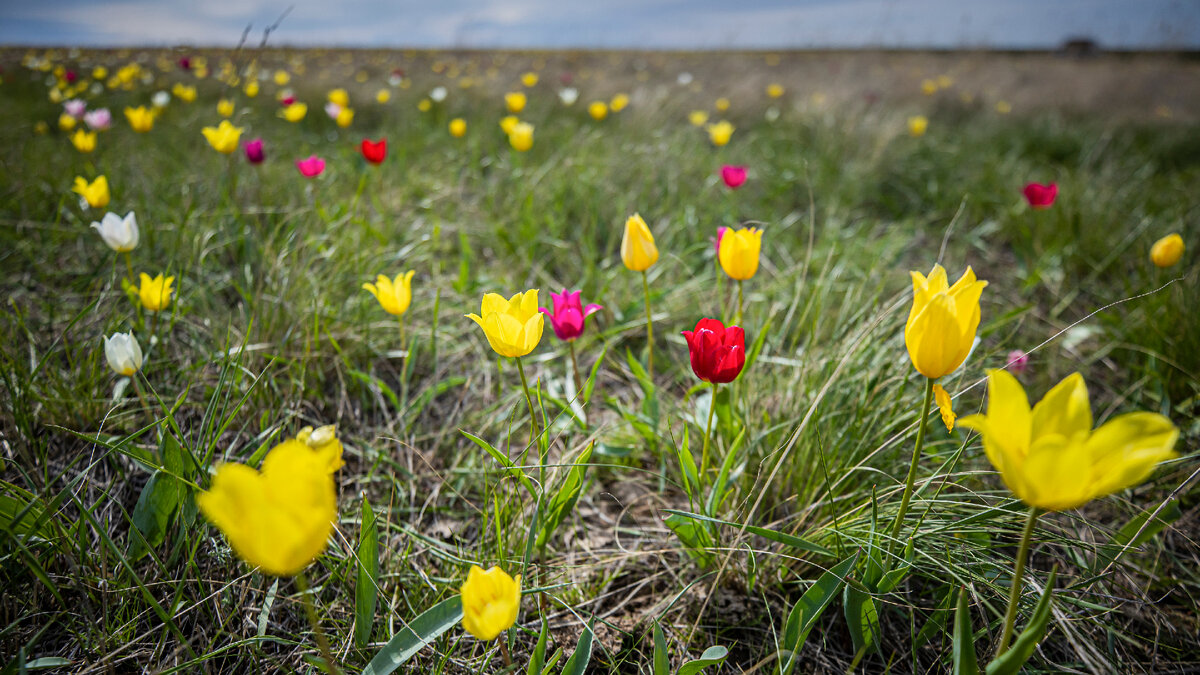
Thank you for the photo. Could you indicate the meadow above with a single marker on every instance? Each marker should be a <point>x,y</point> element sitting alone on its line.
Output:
<point>775,522</point>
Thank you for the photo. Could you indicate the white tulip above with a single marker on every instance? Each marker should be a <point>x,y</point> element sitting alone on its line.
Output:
<point>121,234</point>
<point>124,353</point>
<point>160,99</point>
<point>438,94</point>
<point>568,95</point>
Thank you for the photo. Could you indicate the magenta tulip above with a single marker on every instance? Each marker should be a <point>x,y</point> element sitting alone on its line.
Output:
<point>717,239</point>
<point>569,314</point>
<point>733,176</point>
<point>311,167</point>
<point>254,151</point>
<point>1040,196</point>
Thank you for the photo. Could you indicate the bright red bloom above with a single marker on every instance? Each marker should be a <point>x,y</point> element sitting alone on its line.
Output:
<point>374,152</point>
<point>733,176</point>
<point>569,313</point>
<point>1040,196</point>
<point>718,353</point>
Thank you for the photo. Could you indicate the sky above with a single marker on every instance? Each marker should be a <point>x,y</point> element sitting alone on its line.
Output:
<point>639,24</point>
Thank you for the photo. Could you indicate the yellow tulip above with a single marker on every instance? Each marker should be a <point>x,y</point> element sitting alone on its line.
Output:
<point>720,132</point>
<point>917,124</point>
<point>638,251</point>
<point>294,112</point>
<point>458,127</point>
<point>184,92</point>
<point>598,110</point>
<point>774,90</point>
<point>490,602</point>
<point>722,104</point>
<point>508,122</point>
<point>1051,458</point>
<point>697,118</point>
<point>95,193</point>
<point>278,519</point>
<point>383,96</point>
<point>928,87</point>
<point>325,441</point>
<point>345,117</point>
<point>739,252</point>
<point>393,296</point>
<point>251,89</point>
<point>619,102</point>
<point>141,119</point>
<point>941,325</point>
<point>225,107</point>
<point>513,327</point>
<point>155,293</point>
<point>84,141</point>
<point>223,137</point>
<point>282,77</point>
<point>515,101</point>
<point>529,79</point>
<point>339,96</point>
<point>66,122</point>
<point>521,136</point>
<point>1167,251</point>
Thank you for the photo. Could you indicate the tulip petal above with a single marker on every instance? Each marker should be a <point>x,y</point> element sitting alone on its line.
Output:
<point>1064,409</point>
<point>1125,450</point>
<point>1055,474</point>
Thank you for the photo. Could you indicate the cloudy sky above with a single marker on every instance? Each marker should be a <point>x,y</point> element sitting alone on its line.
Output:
<point>662,24</point>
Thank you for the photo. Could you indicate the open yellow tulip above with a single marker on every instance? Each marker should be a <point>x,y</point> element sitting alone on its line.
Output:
<point>393,296</point>
<point>513,327</point>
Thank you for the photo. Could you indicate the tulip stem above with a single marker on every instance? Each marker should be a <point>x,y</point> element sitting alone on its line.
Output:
<point>738,320</point>
<point>505,654</point>
<point>912,469</point>
<point>1014,592</point>
<point>401,317</point>
<point>322,641</point>
<point>712,407</point>
<point>575,369</point>
<point>533,425</point>
<point>720,289</point>
<point>129,266</point>
<point>137,387</point>
<point>649,329</point>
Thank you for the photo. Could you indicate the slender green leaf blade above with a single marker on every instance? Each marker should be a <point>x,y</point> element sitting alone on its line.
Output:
<point>419,632</point>
<point>366,589</point>
<point>965,662</point>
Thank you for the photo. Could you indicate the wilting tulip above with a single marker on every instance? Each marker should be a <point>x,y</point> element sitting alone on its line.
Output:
<point>739,252</point>
<point>393,296</point>
<point>720,133</point>
<point>124,354</point>
<point>95,193</point>
<point>374,151</point>
<point>513,327</point>
<point>568,95</point>
<point>278,519</point>
<point>121,234</point>
<point>569,314</point>
<point>255,154</point>
<point>75,108</point>
<point>718,354</point>
<point>223,138</point>
<point>311,167</point>
<point>942,398</point>
<point>638,251</point>
<point>1040,196</point>
<point>155,293</point>
<point>99,119</point>
<point>1167,251</point>
<point>515,101</point>
<point>917,125</point>
<point>490,602</point>
<point>458,127</point>
<point>1017,361</point>
<point>508,123</point>
<point>942,322</point>
<point>84,141</point>
<point>141,118</point>
<point>294,112</point>
<point>598,110</point>
<point>734,176</point>
<point>521,136</point>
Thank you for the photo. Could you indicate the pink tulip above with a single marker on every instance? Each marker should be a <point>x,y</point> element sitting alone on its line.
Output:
<point>75,107</point>
<point>1017,362</point>
<point>569,314</point>
<point>98,119</point>
<point>717,239</point>
<point>733,176</point>
<point>311,167</point>
<point>254,151</point>
<point>1040,196</point>
<point>332,109</point>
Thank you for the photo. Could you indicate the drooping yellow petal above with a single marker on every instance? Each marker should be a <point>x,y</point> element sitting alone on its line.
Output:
<point>944,406</point>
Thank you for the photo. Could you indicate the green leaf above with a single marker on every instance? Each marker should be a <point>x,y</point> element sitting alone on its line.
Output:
<point>366,589</point>
<point>662,660</point>
<point>780,537</point>
<point>808,609</point>
<point>756,348</point>
<point>965,662</point>
<point>152,514</point>
<point>568,493</point>
<point>1010,662</point>
<point>578,663</point>
<point>370,380</point>
<point>591,381</point>
<point>412,638</point>
<point>862,617</point>
<point>694,537</point>
<point>430,393</point>
<point>1137,532</point>
<point>538,658</point>
<point>720,487</point>
<point>512,469</point>
<point>713,656</point>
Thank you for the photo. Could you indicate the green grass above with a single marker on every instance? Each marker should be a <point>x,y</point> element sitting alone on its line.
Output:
<point>271,331</point>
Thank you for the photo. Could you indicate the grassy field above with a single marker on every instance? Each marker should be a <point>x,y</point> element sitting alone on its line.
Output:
<point>107,565</point>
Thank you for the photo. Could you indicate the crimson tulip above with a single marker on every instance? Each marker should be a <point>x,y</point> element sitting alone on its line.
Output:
<point>374,152</point>
<point>1040,196</point>
<point>733,176</point>
<point>254,151</point>
<point>718,353</point>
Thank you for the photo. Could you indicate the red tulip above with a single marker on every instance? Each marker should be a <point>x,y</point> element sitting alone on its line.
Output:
<point>733,176</point>
<point>569,314</point>
<point>374,152</point>
<point>287,100</point>
<point>311,167</point>
<point>1040,196</point>
<point>718,353</point>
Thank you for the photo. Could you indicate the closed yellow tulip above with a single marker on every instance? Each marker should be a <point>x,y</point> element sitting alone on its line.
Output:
<point>529,79</point>
<point>598,110</point>
<point>521,136</point>
<point>393,296</point>
<point>94,193</point>
<point>697,118</point>
<point>619,102</point>
<point>638,251</point>
<point>917,124</point>
<point>490,602</point>
<point>278,519</point>
<point>1167,251</point>
<point>739,252</point>
<point>513,327</point>
<point>508,122</point>
<point>942,322</point>
<point>345,117</point>
<point>141,118</point>
<point>720,133</point>
<point>339,96</point>
<point>66,122</point>
<point>84,141</point>
<point>458,127</point>
<point>225,107</point>
<point>1051,458</point>
<point>155,293</point>
<point>223,138</point>
<point>774,90</point>
<point>294,112</point>
<point>251,89</point>
<point>515,101</point>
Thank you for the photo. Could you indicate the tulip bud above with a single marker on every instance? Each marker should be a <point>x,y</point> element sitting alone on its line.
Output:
<point>734,176</point>
<point>254,151</point>
<point>638,251</point>
<point>124,354</point>
<point>1040,196</point>
<point>1167,251</point>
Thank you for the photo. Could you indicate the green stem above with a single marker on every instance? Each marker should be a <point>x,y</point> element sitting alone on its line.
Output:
<point>311,611</point>
<point>138,389</point>
<point>912,469</point>
<point>401,317</point>
<point>129,266</point>
<point>720,288</point>
<point>649,328</point>
<point>504,653</point>
<point>738,320</point>
<point>533,425</point>
<point>712,406</point>
<point>1014,593</point>
<point>575,369</point>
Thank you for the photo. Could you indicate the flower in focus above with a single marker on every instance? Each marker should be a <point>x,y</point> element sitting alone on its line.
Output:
<point>224,137</point>
<point>1051,458</point>
<point>1040,196</point>
<point>278,519</point>
<point>720,132</point>
<point>739,252</point>
<point>515,101</point>
<point>598,110</point>
<point>942,398</point>
<point>254,151</point>
<point>294,112</point>
<point>619,102</point>
<point>718,353</point>
<point>917,124</point>
<point>95,193</point>
<point>84,141</point>
<point>324,440</point>
<point>697,118</point>
<point>121,234</point>
<point>458,127</point>
<point>638,251</point>
<point>141,118</point>
<point>1017,361</point>
<point>1167,251</point>
<point>155,293</point>
<point>310,167</point>
<point>490,602</point>
<point>124,354</point>
<point>513,327</point>
<point>345,117</point>
<point>941,326</point>
<point>774,90</point>
<point>569,314</point>
<point>529,79</point>
<point>374,152</point>
<point>733,176</point>
<point>225,107</point>
<point>508,122</point>
<point>521,136</point>
<point>568,95</point>
<point>393,296</point>
<point>338,97</point>
<point>99,119</point>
